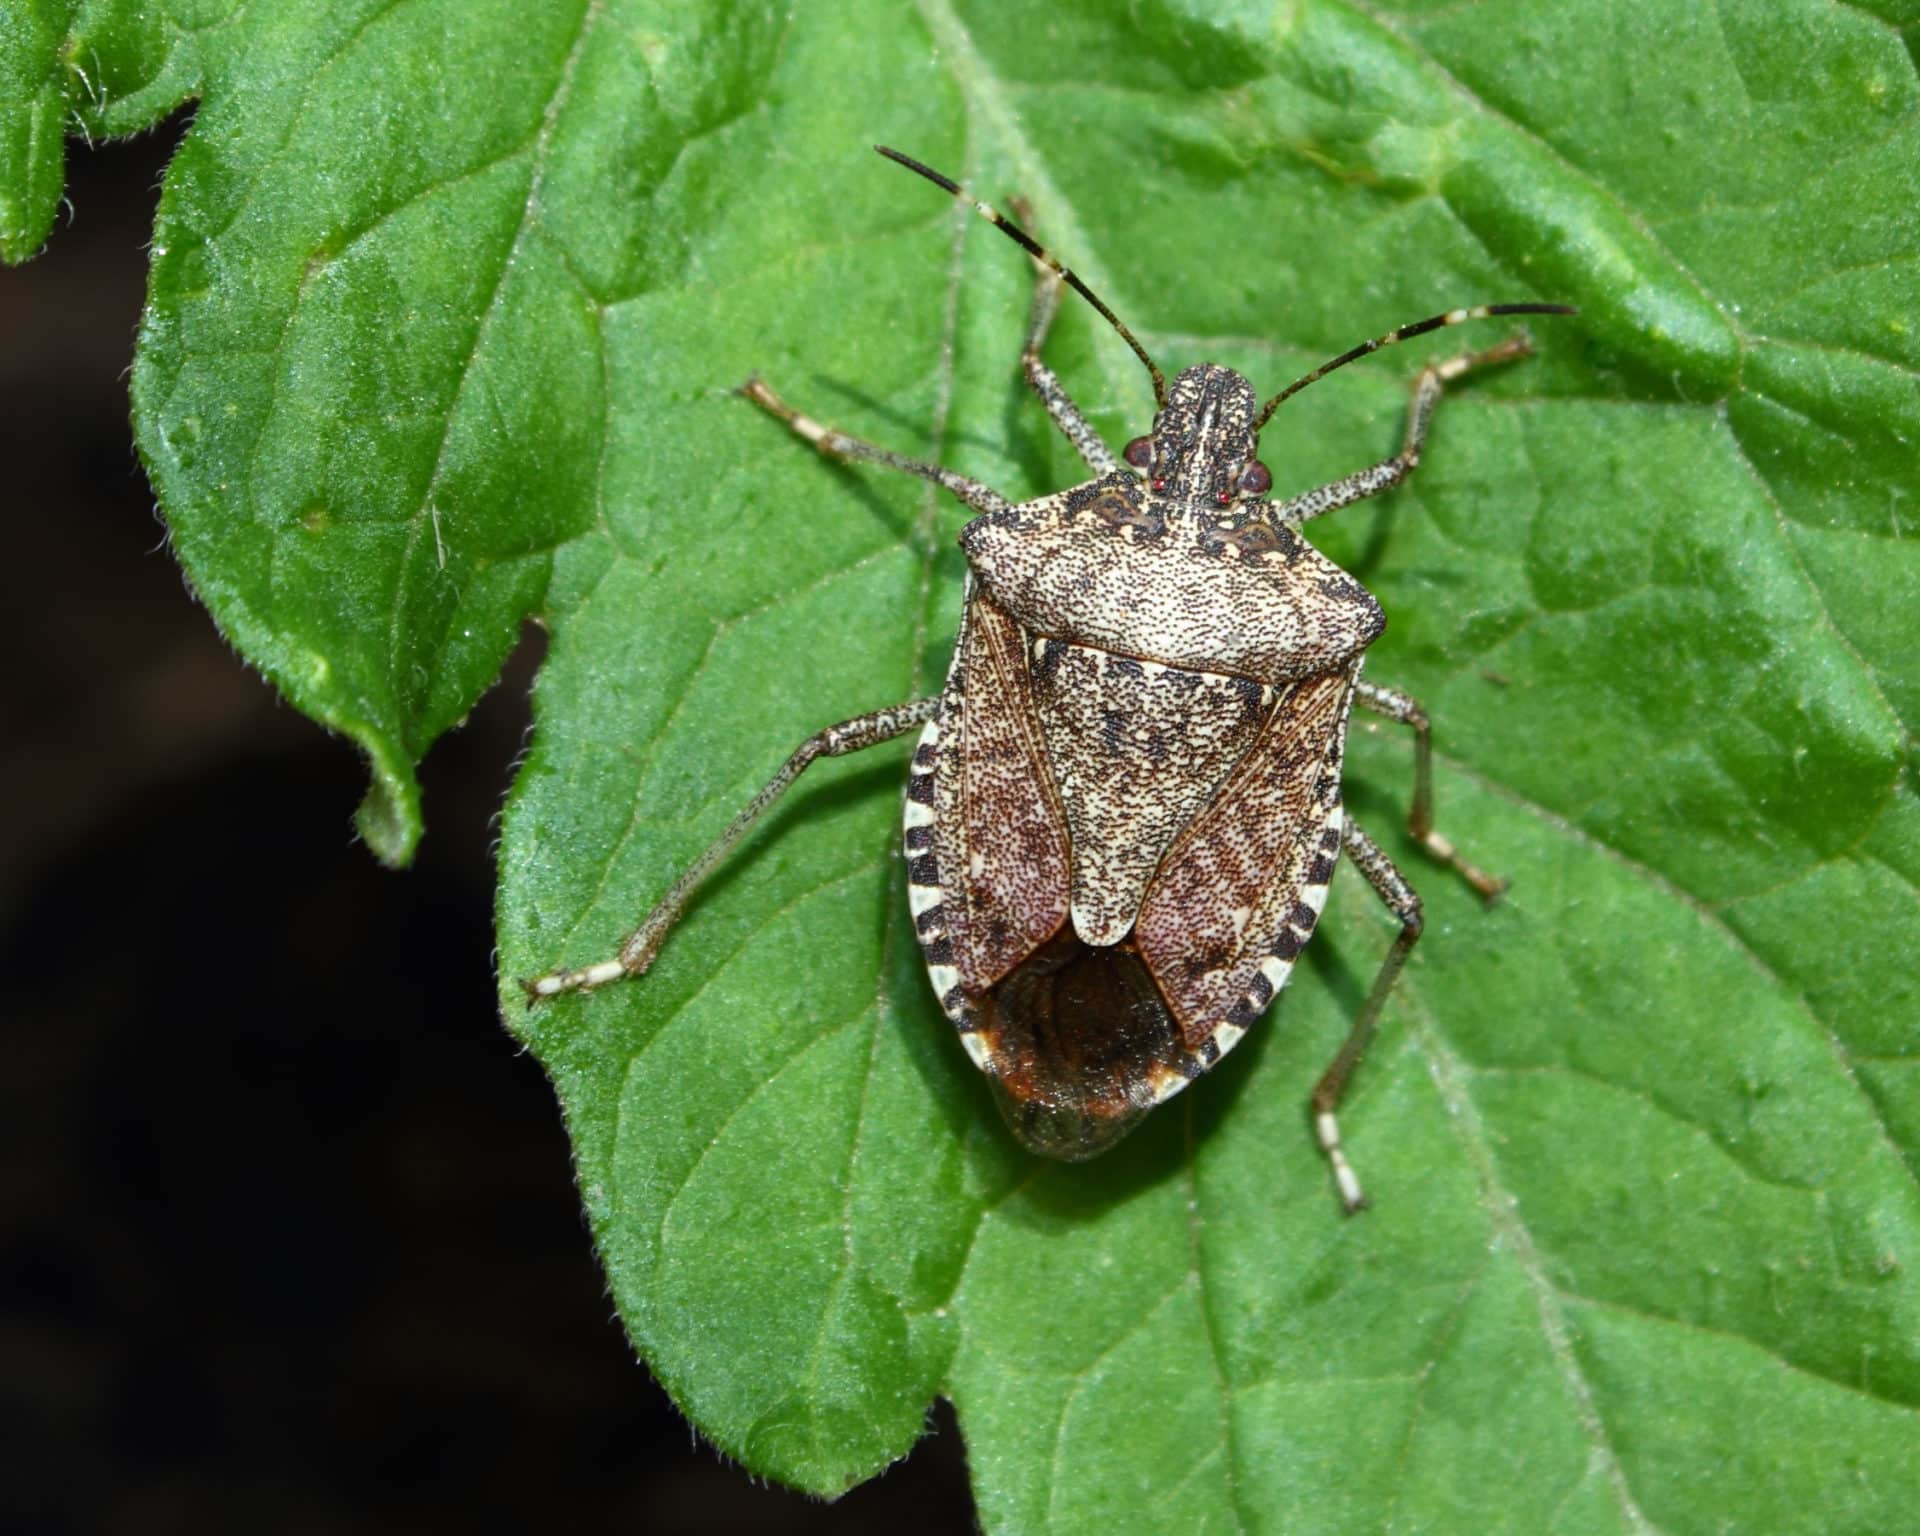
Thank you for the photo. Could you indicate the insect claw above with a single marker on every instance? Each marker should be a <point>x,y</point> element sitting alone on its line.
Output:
<point>540,988</point>
<point>1516,346</point>
<point>825,439</point>
<point>580,978</point>
<point>1488,887</point>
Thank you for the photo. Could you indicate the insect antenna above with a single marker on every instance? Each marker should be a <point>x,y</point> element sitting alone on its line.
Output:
<point>1406,333</point>
<point>1041,254</point>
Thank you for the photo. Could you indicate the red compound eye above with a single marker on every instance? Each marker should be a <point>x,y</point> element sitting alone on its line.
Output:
<point>1256,481</point>
<point>1139,452</point>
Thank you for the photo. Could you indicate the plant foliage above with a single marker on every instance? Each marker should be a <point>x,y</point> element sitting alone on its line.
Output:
<point>447,302</point>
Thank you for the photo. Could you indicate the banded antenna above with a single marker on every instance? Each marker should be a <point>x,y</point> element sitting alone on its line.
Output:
<point>1042,255</point>
<point>1406,333</point>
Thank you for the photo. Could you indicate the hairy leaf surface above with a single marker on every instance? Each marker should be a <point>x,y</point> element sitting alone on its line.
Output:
<point>448,301</point>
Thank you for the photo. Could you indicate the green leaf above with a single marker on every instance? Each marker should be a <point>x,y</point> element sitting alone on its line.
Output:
<point>448,301</point>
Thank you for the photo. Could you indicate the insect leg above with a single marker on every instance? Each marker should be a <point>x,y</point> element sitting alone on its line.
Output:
<point>1388,473</point>
<point>1393,889</point>
<point>837,445</point>
<point>1395,705</point>
<point>638,952</point>
<point>1046,384</point>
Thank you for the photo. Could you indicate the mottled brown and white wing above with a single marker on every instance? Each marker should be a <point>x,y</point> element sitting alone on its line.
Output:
<point>1239,893</point>
<point>986,843</point>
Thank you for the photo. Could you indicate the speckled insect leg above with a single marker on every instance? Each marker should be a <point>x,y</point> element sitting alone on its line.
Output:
<point>1053,395</point>
<point>837,445</point>
<point>1388,473</point>
<point>1396,705</point>
<point>1393,889</point>
<point>638,952</point>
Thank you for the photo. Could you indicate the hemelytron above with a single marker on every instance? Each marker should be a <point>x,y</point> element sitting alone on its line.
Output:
<point>1124,809</point>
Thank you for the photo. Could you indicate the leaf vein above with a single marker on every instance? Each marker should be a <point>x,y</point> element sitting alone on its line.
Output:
<point>1417,1408</point>
<point>1707,914</point>
<point>746,1101</point>
<point>1693,1325</point>
<point>427,513</point>
<point>1447,1069</point>
<point>1210,1325</point>
<point>1082,1376</point>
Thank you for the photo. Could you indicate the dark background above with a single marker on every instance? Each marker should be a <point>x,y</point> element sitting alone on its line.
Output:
<point>288,1235</point>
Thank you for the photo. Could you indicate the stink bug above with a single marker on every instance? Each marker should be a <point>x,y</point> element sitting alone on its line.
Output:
<point>1125,807</point>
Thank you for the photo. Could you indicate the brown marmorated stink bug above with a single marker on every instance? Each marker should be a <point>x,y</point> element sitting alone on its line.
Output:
<point>1125,805</point>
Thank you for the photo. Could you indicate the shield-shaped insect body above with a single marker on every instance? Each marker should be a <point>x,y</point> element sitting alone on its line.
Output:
<point>1124,809</point>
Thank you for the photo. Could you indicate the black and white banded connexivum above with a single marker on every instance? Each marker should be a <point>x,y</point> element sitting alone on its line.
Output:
<point>1125,806</point>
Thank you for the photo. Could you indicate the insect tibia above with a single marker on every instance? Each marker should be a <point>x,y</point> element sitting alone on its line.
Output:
<point>643,944</point>
<point>839,446</point>
<point>1427,389</point>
